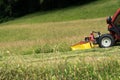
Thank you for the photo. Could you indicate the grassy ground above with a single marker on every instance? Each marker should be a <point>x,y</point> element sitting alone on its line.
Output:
<point>57,36</point>
<point>42,51</point>
<point>101,64</point>
<point>31,50</point>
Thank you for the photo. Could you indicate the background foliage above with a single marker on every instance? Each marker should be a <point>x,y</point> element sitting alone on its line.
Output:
<point>15,8</point>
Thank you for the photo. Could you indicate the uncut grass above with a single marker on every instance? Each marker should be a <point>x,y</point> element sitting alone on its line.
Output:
<point>50,34</point>
<point>72,65</point>
<point>49,31</point>
<point>97,69</point>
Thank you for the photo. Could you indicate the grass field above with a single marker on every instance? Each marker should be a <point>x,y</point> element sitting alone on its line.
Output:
<point>54,36</point>
<point>36,47</point>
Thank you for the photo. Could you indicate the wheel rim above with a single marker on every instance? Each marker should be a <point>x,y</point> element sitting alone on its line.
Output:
<point>106,42</point>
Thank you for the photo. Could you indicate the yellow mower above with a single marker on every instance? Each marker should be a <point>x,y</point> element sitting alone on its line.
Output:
<point>88,43</point>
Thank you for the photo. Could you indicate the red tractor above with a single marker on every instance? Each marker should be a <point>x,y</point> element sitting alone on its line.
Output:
<point>107,40</point>
<point>104,40</point>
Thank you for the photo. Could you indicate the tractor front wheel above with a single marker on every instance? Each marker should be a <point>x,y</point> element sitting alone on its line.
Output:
<point>106,41</point>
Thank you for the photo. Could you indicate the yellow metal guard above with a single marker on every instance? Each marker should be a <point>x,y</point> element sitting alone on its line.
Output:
<point>81,46</point>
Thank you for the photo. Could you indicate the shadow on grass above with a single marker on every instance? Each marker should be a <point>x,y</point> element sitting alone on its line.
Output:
<point>46,7</point>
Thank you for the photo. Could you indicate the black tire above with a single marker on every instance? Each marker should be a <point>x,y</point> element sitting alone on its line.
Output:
<point>106,40</point>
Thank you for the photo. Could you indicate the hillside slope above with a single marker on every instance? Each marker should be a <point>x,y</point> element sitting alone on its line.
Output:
<point>42,51</point>
<point>37,46</point>
<point>97,9</point>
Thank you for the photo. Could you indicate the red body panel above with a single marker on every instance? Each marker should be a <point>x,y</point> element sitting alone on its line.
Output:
<point>116,36</point>
<point>115,15</point>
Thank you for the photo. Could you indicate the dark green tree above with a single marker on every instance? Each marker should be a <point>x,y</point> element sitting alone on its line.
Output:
<point>55,4</point>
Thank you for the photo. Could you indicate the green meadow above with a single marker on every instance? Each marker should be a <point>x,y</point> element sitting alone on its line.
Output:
<point>37,46</point>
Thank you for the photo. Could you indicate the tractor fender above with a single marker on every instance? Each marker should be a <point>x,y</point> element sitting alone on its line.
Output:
<point>115,30</point>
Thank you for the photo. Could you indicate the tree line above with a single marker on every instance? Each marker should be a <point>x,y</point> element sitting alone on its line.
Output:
<point>17,8</point>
